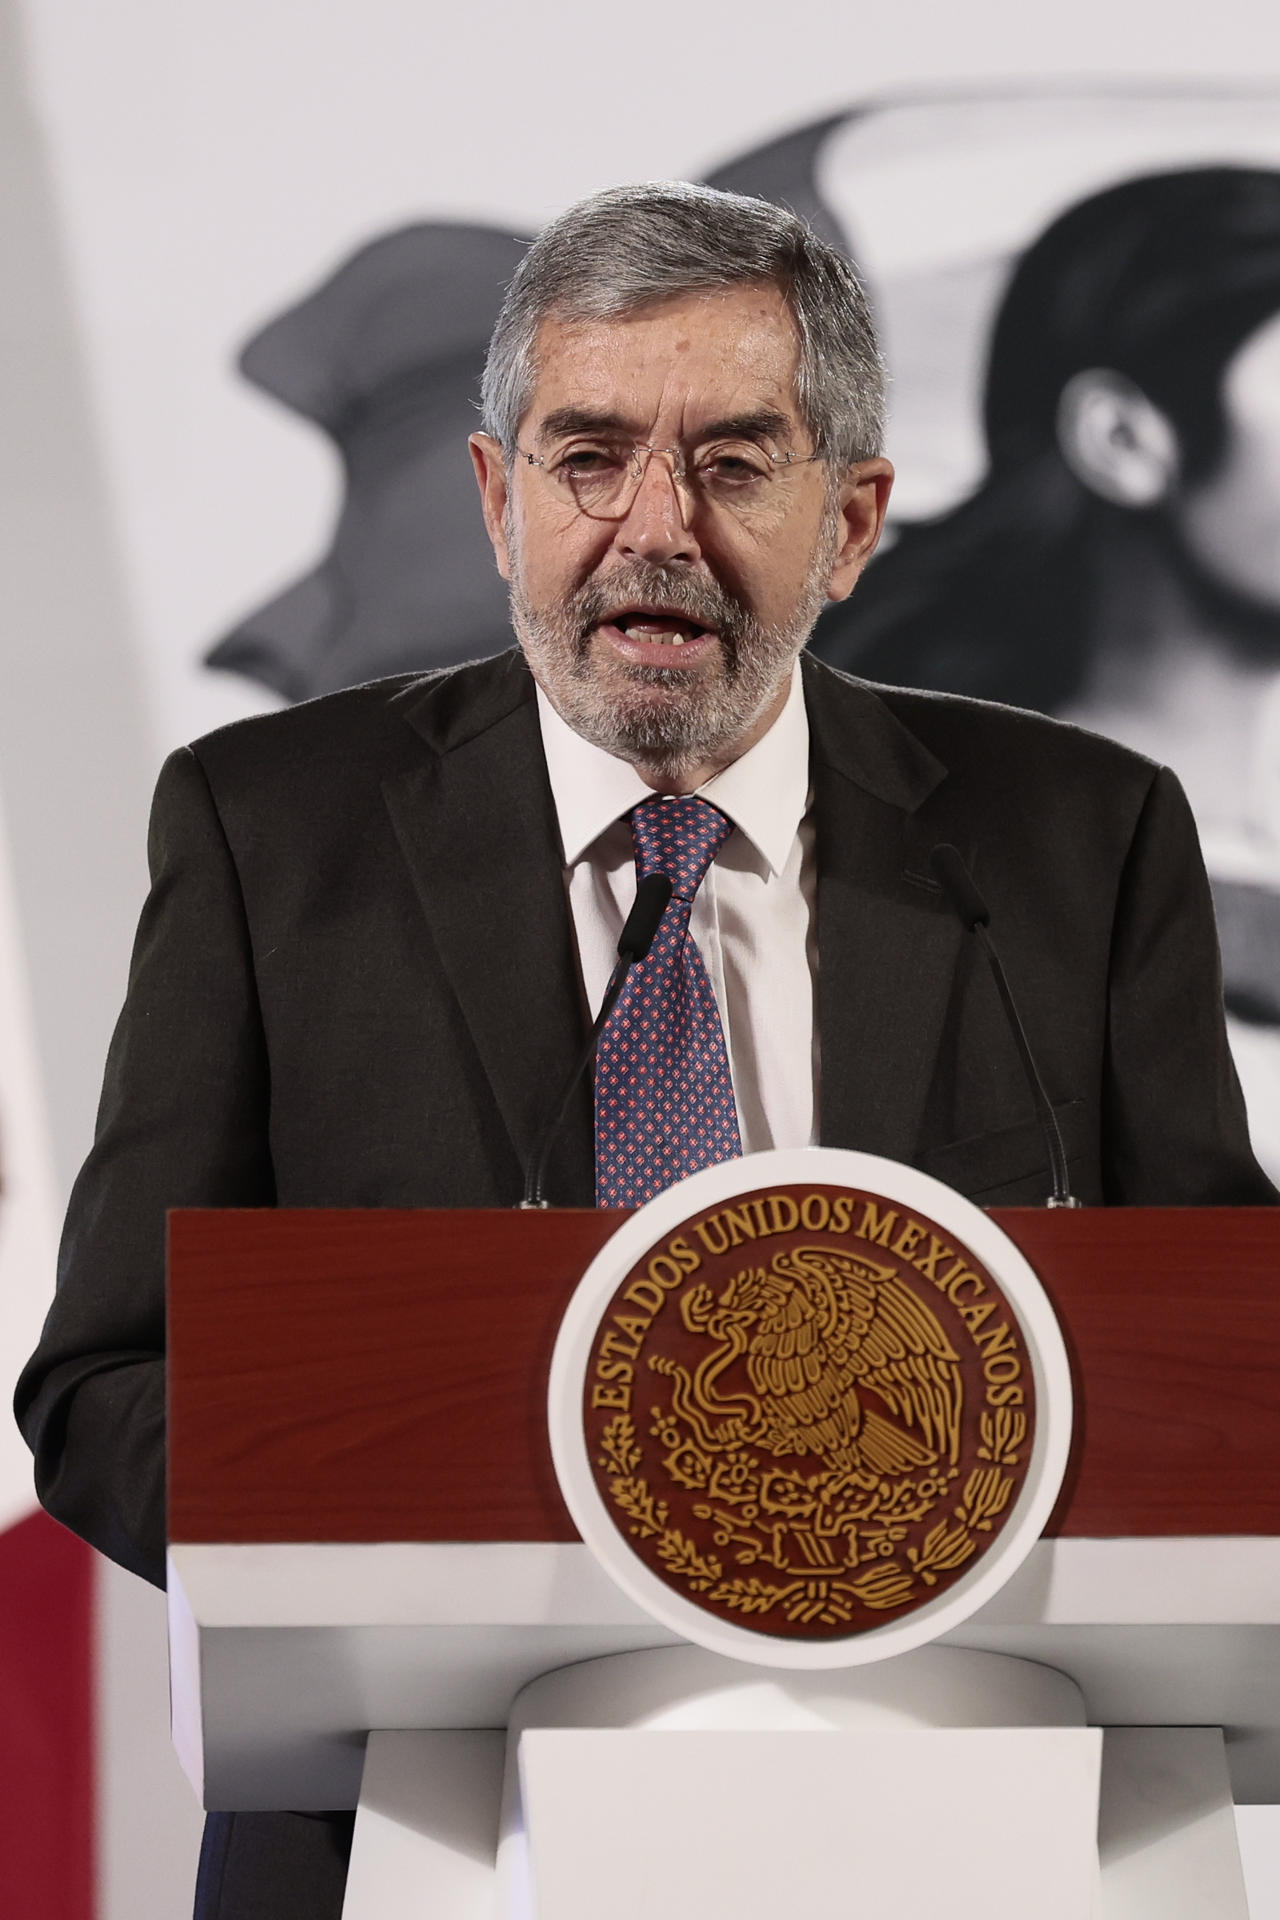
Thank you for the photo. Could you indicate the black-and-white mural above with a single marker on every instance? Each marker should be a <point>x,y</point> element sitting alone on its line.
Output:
<point>1080,296</point>
<point>1079,292</point>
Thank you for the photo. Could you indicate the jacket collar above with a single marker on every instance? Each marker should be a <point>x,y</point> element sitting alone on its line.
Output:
<point>887,940</point>
<point>476,825</point>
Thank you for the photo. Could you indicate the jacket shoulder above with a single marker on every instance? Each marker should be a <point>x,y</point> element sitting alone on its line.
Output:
<point>375,727</point>
<point>988,740</point>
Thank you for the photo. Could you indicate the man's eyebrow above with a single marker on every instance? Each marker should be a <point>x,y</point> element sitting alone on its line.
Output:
<point>566,420</point>
<point>764,423</point>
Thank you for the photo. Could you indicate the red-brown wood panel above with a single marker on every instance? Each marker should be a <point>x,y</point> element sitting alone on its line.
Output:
<point>357,1376</point>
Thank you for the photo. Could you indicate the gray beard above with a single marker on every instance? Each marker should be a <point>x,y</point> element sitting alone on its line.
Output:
<point>618,710</point>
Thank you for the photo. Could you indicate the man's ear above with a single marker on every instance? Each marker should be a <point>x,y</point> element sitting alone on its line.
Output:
<point>1116,442</point>
<point>864,496</point>
<point>491,478</point>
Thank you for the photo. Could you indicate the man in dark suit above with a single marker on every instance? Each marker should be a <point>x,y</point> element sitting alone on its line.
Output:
<point>368,951</point>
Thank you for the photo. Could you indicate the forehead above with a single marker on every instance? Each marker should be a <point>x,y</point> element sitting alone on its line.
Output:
<point>674,366</point>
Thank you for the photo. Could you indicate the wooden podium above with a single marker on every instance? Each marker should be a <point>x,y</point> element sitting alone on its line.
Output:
<point>366,1531</point>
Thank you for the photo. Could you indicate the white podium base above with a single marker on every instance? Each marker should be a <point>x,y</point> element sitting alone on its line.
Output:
<point>426,1837</point>
<point>990,1823</point>
<point>1166,1827</point>
<point>674,1784</point>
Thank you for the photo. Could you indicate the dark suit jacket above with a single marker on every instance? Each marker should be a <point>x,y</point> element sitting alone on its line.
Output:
<point>355,984</point>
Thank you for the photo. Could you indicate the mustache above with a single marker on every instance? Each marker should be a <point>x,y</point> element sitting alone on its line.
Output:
<point>693,598</point>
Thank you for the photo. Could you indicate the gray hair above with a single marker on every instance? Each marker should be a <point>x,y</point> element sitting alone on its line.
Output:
<point>631,247</point>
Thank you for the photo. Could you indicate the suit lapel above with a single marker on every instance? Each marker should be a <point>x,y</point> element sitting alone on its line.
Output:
<point>476,825</point>
<point>887,941</point>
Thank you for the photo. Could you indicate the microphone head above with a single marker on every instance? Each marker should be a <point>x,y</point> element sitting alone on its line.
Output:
<point>649,905</point>
<point>952,875</point>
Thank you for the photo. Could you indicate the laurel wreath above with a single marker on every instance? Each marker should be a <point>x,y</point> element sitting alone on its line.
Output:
<point>820,1599</point>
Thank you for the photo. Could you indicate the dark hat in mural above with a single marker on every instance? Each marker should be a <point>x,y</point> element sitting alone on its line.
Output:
<point>1159,278</point>
<point>385,356</point>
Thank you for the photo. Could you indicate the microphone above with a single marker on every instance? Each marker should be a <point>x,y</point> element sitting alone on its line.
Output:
<point>952,875</point>
<point>634,942</point>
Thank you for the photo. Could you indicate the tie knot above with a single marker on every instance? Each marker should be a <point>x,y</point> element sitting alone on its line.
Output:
<point>679,837</point>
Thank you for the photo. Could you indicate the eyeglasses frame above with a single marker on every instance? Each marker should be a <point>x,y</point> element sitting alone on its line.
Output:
<point>680,473</point>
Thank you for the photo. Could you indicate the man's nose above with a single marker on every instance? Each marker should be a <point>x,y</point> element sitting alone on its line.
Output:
<point>656,526</point>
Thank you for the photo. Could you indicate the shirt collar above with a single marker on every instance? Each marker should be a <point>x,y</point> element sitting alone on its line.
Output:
<point>765,793</point>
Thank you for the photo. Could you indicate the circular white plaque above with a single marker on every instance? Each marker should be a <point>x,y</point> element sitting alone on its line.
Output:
<point>913,1201</point>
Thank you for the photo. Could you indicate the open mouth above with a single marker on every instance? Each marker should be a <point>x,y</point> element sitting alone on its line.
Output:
<point>655,627</point>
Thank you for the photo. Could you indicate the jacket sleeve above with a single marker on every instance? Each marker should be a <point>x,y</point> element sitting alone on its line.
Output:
<point>1174,1126</point>
<point>182,1122</point>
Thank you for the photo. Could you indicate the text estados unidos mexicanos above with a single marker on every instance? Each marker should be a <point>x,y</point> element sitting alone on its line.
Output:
<point>617,1352</point>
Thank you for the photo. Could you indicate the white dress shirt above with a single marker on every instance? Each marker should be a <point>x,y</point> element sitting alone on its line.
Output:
<point>754,916</point>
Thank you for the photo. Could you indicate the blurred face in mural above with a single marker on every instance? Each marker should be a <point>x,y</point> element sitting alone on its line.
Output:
<point>1231,521</point>
<point>673,539</point>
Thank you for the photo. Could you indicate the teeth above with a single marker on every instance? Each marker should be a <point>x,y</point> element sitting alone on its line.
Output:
<point>638,630</point>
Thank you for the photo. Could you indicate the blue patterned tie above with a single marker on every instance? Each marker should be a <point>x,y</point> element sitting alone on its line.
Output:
<point>664,1096</point>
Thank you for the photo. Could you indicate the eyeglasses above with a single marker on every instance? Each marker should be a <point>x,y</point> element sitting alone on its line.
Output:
<point>602,478</point>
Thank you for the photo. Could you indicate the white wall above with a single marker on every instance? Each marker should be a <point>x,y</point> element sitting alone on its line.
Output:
<point>28,1208</point>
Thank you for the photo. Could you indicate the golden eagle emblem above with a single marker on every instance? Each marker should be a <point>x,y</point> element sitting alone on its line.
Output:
<point>824,1336</point>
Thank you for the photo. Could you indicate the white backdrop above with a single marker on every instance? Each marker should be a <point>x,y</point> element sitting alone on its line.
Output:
<point>28,1226</point>
<point>192,169</point>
